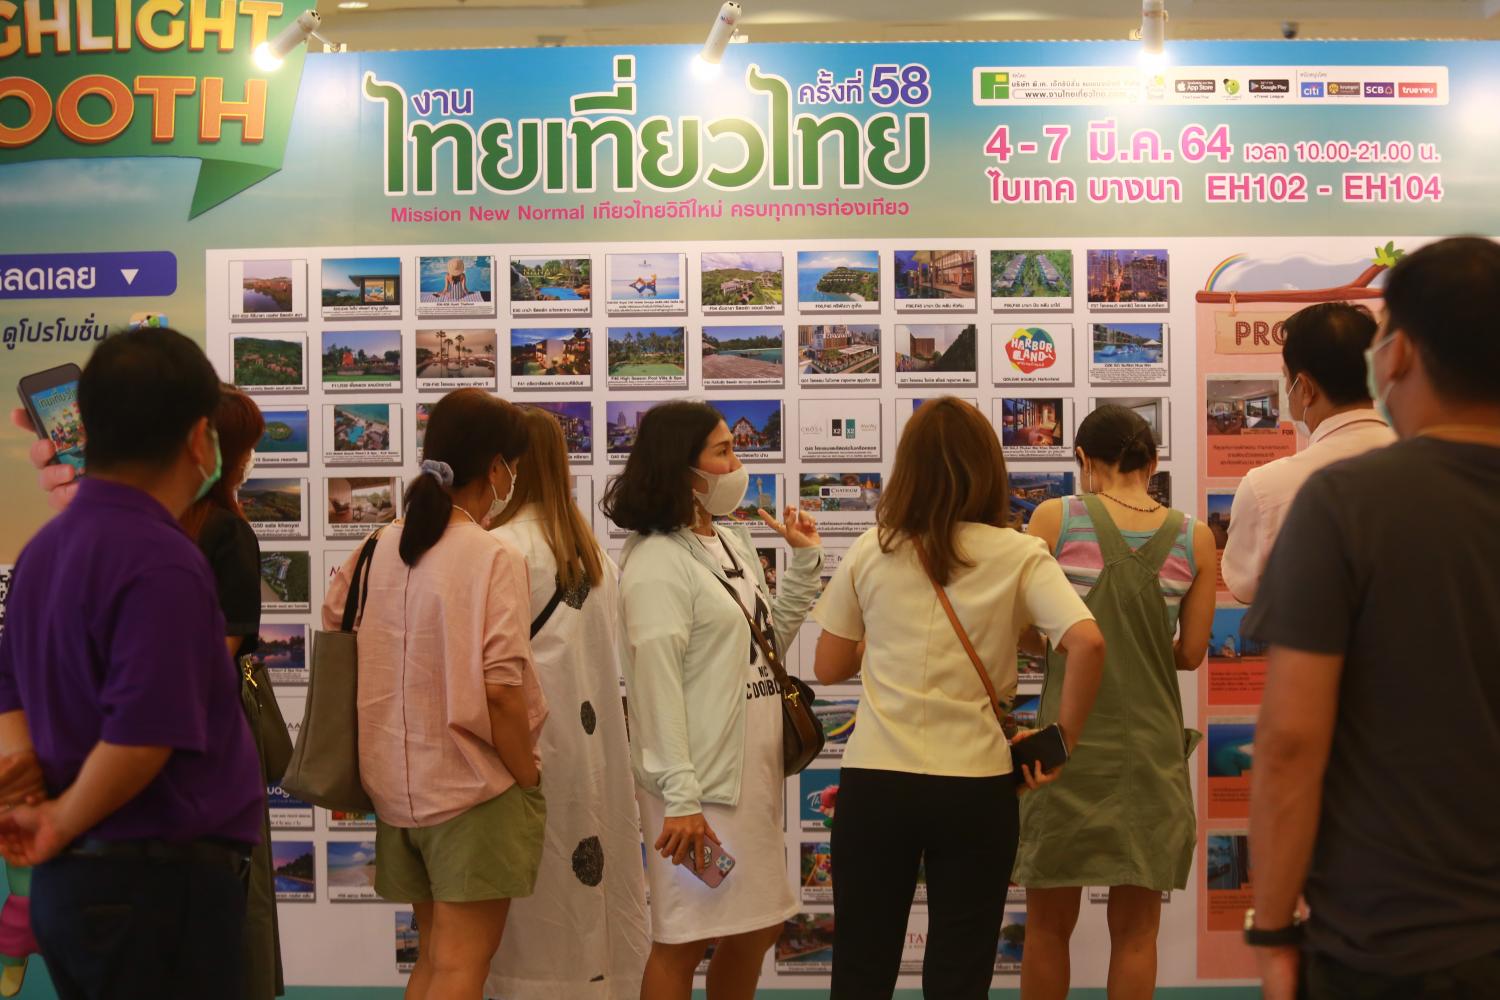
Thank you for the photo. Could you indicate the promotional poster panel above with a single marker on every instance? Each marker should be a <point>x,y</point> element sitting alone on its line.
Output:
<point>1119,192</point>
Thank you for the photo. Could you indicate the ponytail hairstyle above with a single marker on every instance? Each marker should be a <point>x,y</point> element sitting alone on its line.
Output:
<point>548,484</point>
<point>1118,437</point>
<point>239,424</point>
<point>467,430</point>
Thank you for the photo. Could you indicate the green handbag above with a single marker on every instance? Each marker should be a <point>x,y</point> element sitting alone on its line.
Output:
<point>267,724</point>
<point>324,769</point>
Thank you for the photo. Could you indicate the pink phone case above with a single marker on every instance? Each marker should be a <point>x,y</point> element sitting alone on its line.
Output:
<point>715,865</point>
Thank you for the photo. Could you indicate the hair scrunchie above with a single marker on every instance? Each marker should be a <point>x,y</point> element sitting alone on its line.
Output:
<point>441,471</point>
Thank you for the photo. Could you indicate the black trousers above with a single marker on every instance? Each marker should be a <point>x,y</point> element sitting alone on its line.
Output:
<point>887,823</point>
<point>124,928</point>
<point>1325,978</point>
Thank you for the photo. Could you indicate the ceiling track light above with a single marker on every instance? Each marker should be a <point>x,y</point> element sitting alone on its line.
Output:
<point>1153,32</point>
<point>710,62</point>
<point>271,54</point>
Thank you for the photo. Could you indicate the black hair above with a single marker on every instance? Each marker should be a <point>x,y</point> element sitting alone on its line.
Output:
<point>1442,297</point>
<point>1327,343</point>
<point>653,493</point>
<point>140,395</point>
<point>1117,436</point>
<point>468,429</point>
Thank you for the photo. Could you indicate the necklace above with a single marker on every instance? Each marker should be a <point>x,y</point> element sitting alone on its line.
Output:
<point>466,514</point>
<point>1130,506</point>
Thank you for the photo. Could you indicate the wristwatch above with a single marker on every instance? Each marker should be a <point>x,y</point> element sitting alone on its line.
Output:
<point>1285,937</point>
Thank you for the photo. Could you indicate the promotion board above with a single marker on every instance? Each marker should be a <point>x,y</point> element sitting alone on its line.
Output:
<point>816,245</point>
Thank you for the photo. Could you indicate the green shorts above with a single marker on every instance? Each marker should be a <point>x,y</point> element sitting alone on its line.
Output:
<point>491,851</point>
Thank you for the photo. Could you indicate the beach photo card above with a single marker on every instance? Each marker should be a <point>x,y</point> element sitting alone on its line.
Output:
<point>838,281</point>
<point>267,291</point>
<point>743,282</point>
<point>284,441</point>
<point>552,286</point>
<point>285,580</point>
<point>622,420</point>
<point>763,493</point>
<point>454,359</point>
<point>361,360</point>
<point>359,504</point>
<point>1128,281</point>
<point>577,422</point>
<point>1032,281</point>
<point>839,429</point>
<point>937,354</point>
<point>282,650</point>
<point>455,287</point>
<point>743,356</point>
<point>652,284</point>
<point>351,871</point>
<point>294,867</point>
<point>755,425</point>
<point>1035,427</point>
<point>1128,354</point>
<point>551,357</point>
<point>270,363</point>
<point>1032,355</point>
<point>361,288</point>
<point>935,280</point>
<point>1155,410</point>
<point>362,434</point>
<point>276,507</point>
<point>841,355</point>
<point>647,357</point>
<point>843,502</point>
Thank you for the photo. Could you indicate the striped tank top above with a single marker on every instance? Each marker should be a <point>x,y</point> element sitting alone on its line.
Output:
<point>1079,555</point>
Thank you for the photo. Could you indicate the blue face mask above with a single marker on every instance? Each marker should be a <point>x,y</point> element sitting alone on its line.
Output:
<point>1372,382</point>
<point>210,479</point>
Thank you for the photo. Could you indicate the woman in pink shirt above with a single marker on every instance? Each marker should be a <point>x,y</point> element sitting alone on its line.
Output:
<point>449,704</point>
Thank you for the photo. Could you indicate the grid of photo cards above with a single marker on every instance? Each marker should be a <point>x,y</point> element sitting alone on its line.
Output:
<point>815,354</point>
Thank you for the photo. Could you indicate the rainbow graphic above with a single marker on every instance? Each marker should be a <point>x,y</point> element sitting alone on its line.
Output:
<point>1224,265</point>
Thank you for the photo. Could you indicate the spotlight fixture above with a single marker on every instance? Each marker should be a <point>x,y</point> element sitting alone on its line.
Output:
<point>353,5</point>
<point>1153,33</point>
<point>709,63</point>
<point>270,55</point>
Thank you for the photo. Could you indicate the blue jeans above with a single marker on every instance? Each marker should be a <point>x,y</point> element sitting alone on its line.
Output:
<point>125,928</point>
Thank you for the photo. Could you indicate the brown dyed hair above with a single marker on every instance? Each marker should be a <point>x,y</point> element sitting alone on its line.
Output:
<point>949,469</point>
<point>546,479</point>
<point>239,423</point>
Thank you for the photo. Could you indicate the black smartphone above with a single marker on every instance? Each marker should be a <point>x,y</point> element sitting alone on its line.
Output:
<point>1044,749</point>
<point>51,400</point>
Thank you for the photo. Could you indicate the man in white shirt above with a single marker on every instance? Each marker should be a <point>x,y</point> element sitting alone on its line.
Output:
<point>1323,362</point>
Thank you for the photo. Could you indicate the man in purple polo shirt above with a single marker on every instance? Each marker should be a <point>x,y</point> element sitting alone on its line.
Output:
<point>113,668</point>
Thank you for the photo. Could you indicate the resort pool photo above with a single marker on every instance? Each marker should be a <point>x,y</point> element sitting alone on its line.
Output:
<point>1128,354</point>
<point>557,292</point>
<point>770,355</point>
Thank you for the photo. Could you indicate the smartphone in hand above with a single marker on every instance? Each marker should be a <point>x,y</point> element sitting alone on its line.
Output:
<point>51,400</point>
<point>1042,751</point>
<point>714,866</point>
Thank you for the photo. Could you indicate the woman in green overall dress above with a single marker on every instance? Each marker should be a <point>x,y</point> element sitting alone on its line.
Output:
<point>1121,813</point>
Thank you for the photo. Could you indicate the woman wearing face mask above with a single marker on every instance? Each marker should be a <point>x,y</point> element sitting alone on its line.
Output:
<point>590,880</point>
<point>449,705</point>
<point>705,710</point>
<point>1121,813</point>
<point>218,525</point>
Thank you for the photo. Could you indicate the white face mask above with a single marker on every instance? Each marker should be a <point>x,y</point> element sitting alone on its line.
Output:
<point>725,491</point>
<point>497,507</point>
<point>1298,422</point>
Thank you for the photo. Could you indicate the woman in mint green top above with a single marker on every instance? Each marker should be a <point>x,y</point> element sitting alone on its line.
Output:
<point>1121,814</point>
<point>705,712</point>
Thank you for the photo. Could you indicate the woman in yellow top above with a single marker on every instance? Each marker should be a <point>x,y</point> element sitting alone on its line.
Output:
<point>927,775</point>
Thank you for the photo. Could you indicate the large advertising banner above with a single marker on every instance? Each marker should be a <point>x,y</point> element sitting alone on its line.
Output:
<point>816,244</point>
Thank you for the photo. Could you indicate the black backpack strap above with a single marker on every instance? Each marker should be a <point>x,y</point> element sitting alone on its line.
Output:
<point>540,622</point>
<point>359,584</point>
